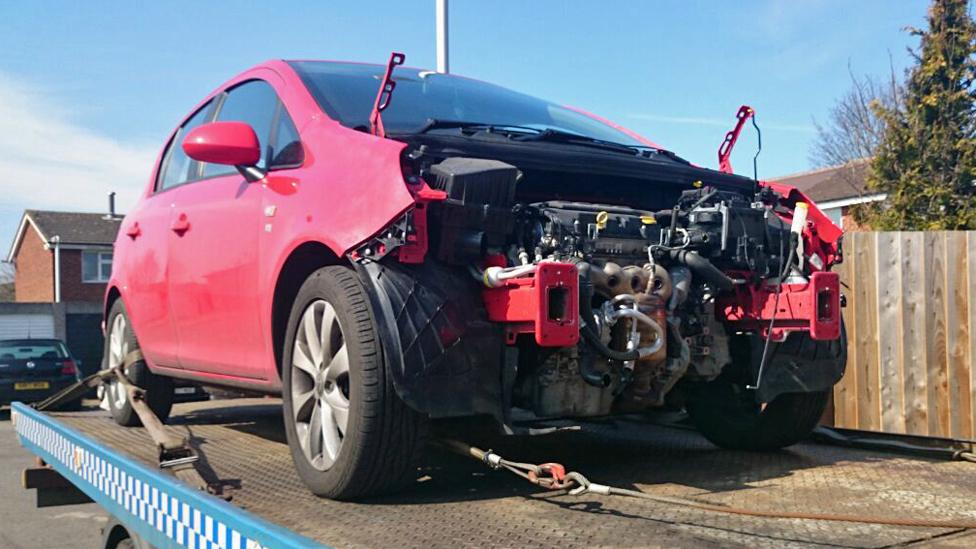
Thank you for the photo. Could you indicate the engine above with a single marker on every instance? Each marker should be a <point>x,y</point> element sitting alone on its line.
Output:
<point>608,306</point>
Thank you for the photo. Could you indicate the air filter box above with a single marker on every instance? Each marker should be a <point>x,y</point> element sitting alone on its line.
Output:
<point>475,180</point>
<point>477,214</point>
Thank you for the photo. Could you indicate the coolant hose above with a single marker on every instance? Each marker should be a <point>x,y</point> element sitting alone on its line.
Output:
<point>591,374</point>
<point>703,268</point>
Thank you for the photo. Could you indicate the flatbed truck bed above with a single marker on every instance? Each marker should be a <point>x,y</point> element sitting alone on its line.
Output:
<point>460,503</point>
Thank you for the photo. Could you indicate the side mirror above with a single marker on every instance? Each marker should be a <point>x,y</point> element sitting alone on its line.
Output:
<point>229,143</point>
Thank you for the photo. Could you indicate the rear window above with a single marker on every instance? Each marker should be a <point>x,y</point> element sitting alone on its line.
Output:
<point>26,349</point>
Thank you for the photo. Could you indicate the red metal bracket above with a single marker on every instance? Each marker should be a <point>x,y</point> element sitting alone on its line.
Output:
<point>415,248</point>
<point>813,307</point>
<point>546,304</point>
<point>384,95</point>
<point>725,149</point>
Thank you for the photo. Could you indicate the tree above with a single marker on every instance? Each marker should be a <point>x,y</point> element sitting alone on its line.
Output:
<point>853,130</point>
<point>926,160</point>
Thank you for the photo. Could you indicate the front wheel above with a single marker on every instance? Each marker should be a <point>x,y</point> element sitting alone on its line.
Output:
<point>729,417</point>
<point>349,433</point>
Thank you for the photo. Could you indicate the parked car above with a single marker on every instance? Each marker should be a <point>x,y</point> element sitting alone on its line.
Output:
<point>385,246</point>
<point>34,369</point>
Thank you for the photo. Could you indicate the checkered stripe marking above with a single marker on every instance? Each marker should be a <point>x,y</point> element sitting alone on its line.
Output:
<point>186,526</point>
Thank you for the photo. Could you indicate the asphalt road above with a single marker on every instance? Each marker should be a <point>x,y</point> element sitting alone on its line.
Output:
<point>22,524</point>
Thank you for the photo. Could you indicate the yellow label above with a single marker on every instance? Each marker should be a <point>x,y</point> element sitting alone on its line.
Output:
<point>648,219</point>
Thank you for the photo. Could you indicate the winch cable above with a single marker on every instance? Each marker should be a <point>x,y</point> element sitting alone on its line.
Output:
<point>553,476</point>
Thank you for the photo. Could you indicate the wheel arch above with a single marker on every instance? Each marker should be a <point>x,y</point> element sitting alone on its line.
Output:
<point>111,296</point>
<point>301,262</point>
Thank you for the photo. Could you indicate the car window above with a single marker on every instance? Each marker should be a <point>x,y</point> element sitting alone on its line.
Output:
<point>286,147</point>
<point>346,91</point>
<point>253,102</point>
<point>32,349</point>
<point>176,164</point>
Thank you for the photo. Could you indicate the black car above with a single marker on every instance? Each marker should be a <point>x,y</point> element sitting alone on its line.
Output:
<point>34,369</point>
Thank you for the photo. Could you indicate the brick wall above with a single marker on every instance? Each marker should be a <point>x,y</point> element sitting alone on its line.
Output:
<point>848,223</point>
<point>72,288</point>
<point>34,278</point>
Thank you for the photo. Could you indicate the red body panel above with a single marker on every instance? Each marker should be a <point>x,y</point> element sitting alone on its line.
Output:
<point>218,283</point>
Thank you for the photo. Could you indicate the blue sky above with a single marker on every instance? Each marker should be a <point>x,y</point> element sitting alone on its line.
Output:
<point>89,90</point>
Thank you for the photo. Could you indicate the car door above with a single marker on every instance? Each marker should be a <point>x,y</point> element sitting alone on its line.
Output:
<point>214,256</point>
<point>142,252</point>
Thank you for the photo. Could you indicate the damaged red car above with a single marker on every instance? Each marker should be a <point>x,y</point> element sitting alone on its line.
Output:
<point>385,246</point>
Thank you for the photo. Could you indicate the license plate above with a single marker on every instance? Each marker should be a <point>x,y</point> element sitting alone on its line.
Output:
<point>31,385</point>
<point>185,390</point>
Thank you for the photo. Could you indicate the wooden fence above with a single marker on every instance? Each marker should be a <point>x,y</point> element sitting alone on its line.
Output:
<point>911,328</point>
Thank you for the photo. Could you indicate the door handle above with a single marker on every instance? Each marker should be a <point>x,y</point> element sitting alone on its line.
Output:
<point>133,231</point>
<point>180,225</point>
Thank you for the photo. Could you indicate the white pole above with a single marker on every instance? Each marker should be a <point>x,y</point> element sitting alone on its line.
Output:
<point>442,62</point>
<point>57,268</point>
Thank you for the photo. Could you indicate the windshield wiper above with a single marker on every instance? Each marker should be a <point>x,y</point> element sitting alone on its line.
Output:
<point>438,124</point>
<point>517,132</point>
<point>559,136</point>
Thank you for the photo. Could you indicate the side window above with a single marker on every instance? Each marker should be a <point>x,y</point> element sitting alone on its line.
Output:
<point>286,149</point>
<point>253,102</point>
<point>176,164</point>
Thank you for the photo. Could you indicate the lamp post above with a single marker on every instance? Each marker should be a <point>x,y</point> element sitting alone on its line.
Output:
<point>442,46</point>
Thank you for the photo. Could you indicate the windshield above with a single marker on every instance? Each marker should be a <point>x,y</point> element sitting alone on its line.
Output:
<point>31,349</point>
<point>346,92</point>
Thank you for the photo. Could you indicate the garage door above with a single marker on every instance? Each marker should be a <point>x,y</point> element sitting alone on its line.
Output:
<point>26,325</point>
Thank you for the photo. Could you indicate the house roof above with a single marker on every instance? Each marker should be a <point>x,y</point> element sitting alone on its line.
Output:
<point>833,183</point>
<point>72,228</point>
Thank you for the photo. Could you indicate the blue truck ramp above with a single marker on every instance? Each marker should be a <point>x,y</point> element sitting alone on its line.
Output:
<point>459,503</point>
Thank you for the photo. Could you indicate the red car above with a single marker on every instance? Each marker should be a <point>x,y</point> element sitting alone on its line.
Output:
<point>385,246</point>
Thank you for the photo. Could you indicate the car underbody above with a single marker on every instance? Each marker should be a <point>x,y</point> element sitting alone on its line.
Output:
<point>535,282</point>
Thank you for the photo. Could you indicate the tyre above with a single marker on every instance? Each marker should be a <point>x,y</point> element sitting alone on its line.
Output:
<point>120,340</point>
<point>728,415</point>
<point>349,433</point>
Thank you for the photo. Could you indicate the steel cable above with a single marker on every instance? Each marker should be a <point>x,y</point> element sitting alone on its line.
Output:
<point>576,484</point>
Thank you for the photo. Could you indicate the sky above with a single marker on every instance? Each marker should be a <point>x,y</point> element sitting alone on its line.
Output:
<point>90,90</point>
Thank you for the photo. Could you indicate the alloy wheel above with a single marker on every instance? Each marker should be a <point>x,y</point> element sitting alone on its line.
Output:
<point>118,349</point>
<point>320,384</point>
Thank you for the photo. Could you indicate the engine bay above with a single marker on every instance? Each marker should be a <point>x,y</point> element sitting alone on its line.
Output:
<point>610,306</point>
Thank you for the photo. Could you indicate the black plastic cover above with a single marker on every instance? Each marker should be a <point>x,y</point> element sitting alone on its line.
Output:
<point>475,180</point>
<point>799,364</point>
<point>443,355</point>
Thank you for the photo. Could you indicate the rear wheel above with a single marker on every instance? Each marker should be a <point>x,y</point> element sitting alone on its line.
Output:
<point>349,433</point>
<point>120,340</point>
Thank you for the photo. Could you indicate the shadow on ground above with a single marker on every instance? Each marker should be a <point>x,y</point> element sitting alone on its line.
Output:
<point>625,453</point>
